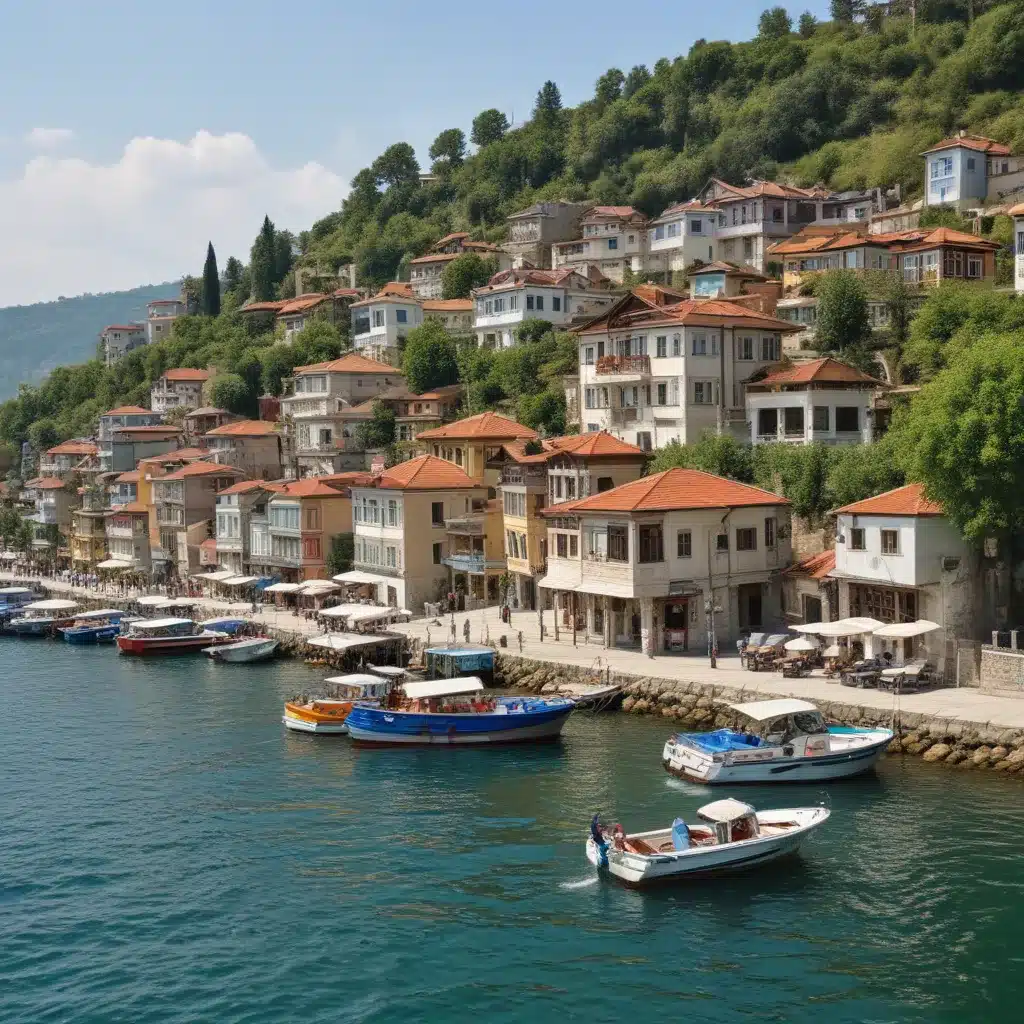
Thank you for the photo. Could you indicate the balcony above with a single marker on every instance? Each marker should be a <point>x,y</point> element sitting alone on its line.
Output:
<point>624,367</point>
<point>475,565</point>
<point>469,525</point>
<point>625,415</point>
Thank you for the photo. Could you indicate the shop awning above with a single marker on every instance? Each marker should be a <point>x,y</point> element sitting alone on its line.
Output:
<point>599,588</point>
<point>239,581</point>
<point>355,576</point>
<point>9,556</point>
<point>906,630</point>
<point>848,627</point>
<point>113,563</point>
<point>313,588</point>
<point>281,588</point>
<point>342,611</point>
<point>214,577</point>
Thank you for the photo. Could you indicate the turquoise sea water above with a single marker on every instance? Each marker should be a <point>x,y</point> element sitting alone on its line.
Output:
<point>169,853</point>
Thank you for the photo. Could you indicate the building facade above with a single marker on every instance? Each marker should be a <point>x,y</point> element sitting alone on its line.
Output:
<point>304,517</point>
<point>380,326</point>
<point>181,387</point>
<point>613,239</point>
<point>160,317</point>
<point>117,340</point>
<point>966,170</point>
<point>236,505</point>
<point>253,446</point>
<point>127,536</point>
<point>426,272</point>
<point>532,232</point>
<point>679,236</point>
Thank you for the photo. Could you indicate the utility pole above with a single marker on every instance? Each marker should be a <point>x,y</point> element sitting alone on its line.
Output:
<point>709,608</point>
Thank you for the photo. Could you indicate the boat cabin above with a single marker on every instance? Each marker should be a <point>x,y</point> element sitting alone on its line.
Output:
<point>732,820</point>
<point>163,627</point>
<point>53,607</point>
<point>446,696</point>
<point>456,662</point>
<point>15,597</point>
<point>786,722</point>
<point>359,686</point>
<point>93,618</point>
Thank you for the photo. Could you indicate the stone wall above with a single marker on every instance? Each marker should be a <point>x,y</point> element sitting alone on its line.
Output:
<point>1002,671</point>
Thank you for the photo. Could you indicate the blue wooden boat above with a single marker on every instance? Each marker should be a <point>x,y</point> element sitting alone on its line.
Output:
<point>228,624</point>
<point>100,626</point>
<point>452,712</point>
<point>42,618</point>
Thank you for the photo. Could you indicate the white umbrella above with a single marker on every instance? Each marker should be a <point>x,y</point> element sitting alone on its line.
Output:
<point>848,627</point>
<point>808,627</point>
<point>800,643</point>
<point>905,630</point>
<point>832,651</point>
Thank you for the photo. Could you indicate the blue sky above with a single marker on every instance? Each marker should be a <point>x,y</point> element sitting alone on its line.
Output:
<point>104,181</point>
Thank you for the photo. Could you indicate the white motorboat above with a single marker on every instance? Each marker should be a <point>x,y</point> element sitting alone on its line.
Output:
<point>734,838</point>
<point>253,648</point>
<point>328,715</point>
<point>787,741</point>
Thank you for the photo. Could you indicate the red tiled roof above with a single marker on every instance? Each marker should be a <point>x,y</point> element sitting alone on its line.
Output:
<point>980,143</point>
<point>401,288</point>
<point>351,478</point>
<point>181,453</point>
<point>73,448</point>
<point>659,295</point>
<point>484,426</point>
<point>126,410</point>
<point>425,473</point>
<point>451,238</point>
<point>609,211</point>
<point>766,188</point>
<point>123,327</point>
<point>909,500</point>
<point>949,236</point>
<point>309,300</point>
<point>597,444</point>
<point>447,305</point>
<point>730,270</point>
<point>244,428</point>
<point>160,428</point>
<point>707,312</point>
<point>436,257</point>
<point>133,476</point>
<point>819,371</point>
<point>186,373</point>
<point>349,363</point>
<point>264,307</point>
<point>1016,211</point>
<point>45,483</point>
<point>244,487</point>
<point>311,487</point>
<point>690,204</point>
<point>817,567</point>
<point>199,469</point>
<point>672,490</point>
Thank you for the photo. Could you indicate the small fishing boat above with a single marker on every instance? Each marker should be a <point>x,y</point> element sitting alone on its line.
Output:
<point>168,636</point>
<point>734,837</point>
<point>230,624</point>
<point>100,626</point>
<point>329,715</point>
<point>592,696</point>
<point>42,618</point>
<point>787,741</point>
<point>251,648</point>
<point>451,712</point>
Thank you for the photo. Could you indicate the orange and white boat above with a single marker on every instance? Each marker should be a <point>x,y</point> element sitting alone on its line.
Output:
<point>327,715</point>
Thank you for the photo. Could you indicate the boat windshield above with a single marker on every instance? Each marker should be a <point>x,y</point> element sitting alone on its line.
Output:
<point>808,723</point>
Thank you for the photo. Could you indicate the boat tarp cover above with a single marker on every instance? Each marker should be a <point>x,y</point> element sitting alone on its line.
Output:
<point>54,604</point>
<point>725,810</point>
<point>763,710</point>
<point>443,687</point>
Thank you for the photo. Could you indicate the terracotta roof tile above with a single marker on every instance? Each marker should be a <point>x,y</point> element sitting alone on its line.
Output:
<point>73,448</point>
<point>909,500</point>
<point>447,305</point>
<point>596,444</point>
<point>244,487</point>
<point>132,508</point>
<point>199,469</point>
<point>311,487</point>
<point>351,478</point>
<point>484,426</point>
<point>672,490</point>
<point>123,327</point>
<point>133,476</point>
<point>301,303</point>
<point>436,257</point>
<point>817,567</point>
<point>980,143</point>
<point>187,373</point>
<point>46,483</point>
<point>730,269</point>
<point>244,428</point>
<point>264,307</point>
<point>425,473</point>
<point>159,428</point>
<point>350,363</point>
<point>609,211</point>
<point>819,371</point>
<point>127,410</point>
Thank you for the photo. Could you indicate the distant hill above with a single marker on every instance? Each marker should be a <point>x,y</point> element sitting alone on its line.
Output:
<point>34,339</point>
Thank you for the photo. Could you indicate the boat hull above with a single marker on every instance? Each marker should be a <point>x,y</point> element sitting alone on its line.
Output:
<point>243,651</point>
<point>689,763</point>
<point>91,634</point>
<point>315,724</point>
<point>638,870</point>
<point>143,646</point>
<point>31,628</point>
<point>379,727</point>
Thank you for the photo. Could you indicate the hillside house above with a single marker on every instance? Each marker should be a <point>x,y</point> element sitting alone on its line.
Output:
<point>181,387</point>
<point>532,232</point>
<point>117,340</point>
<point>614,240</point>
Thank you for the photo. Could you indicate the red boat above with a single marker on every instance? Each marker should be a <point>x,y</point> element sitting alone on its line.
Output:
<point>168,636</point>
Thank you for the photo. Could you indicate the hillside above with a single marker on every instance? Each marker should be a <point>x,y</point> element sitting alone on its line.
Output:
<point>35,339</point>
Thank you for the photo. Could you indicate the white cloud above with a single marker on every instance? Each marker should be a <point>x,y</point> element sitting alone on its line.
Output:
<point>72,226</point>
<point>49,138</point>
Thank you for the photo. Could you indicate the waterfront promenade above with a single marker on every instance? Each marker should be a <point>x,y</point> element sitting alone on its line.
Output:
<point>963,704</point>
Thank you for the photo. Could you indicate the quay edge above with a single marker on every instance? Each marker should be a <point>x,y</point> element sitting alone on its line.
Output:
<point>699,706</point>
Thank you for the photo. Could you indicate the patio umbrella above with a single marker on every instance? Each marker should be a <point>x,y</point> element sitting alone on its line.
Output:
<point>905,630</point>
<point>800,643</point>
<point>807,627</point>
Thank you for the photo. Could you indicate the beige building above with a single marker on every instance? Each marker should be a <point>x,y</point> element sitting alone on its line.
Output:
<point>235,507</point>
<point>473,442</point>
<point>127,530</point>
<point>614,239</point>
<point>654,563</point>
<point>316,411</point>
<point>117,340</point>
<point>253,446</point>
<point>425,272</point>
<point>304,517</point>
<point>181,387</point>
<point>70,458</point>
<point>402,538</point>
<point>455,315</point>
<point>532,232</point>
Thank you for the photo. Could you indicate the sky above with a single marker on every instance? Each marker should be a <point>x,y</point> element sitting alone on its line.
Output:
<point>134,132</point>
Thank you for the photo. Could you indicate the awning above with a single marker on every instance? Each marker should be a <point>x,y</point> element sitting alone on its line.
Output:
<point>355,576</point>
<point>214,577</point>
<point>807,627</point>
<point>347,641</point>
<point>371,615</point>
<point>764,710</point>
<point>9,556</point>
<point>314,588</point>
<point>907,629</point>
<point>281,588</point>
<point>801,643</point>
<point>53,604</point>
<point>342,611</point>
<point>239,581</point>
<point>114,563</point>
<point>150,600</point>
<point>600,588</point>
<point>848,627</point>
<point>443,687</point>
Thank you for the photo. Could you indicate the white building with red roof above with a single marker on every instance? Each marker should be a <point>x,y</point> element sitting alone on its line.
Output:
<point>966,170</point>
<point>179,388</point>
<point>631,566</point>
<point>381,323</point>
<point>680,235</point>
<point>656,368</point>
<point>614,240</point>
<point>557,296</point>
<point>824,401</point>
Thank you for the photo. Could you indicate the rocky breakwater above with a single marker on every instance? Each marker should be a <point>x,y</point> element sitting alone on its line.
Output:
<point>697,707</point>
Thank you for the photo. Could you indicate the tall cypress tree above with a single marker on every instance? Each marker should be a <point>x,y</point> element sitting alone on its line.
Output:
<point>262,262</point>
<point>211,283</point>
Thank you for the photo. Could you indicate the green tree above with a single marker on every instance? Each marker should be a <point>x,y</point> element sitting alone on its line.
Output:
<point>845,11</point>
<point>637,78</point>
<point>341,554</point>
<point>808,25</point>
<point>774,23</point>
<point>720,454</point>
<point>229,391</point>
<point>548,105</point>
<point>233,271</point>
<point>262,260</point>
<point>466,272</point>
<point>608,89</point>
<point>396,166</point>
<point>842,311</point>
<point>448,150</point>
<point>489,126</point>
<point>43,434</point>
<point>211,284</point>
<point>379,431</point>
<point>857,471</point>
<point>430,359</point>
<point>963,438</point>
<point>192,292</point>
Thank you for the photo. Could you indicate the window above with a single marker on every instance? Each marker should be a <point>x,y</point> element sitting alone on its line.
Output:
<point>847,418</point>
<point>589,398</point>
<point>974,265</point>
<point>767,422</point>
<point>437,513</point>
<point>769,351</point>
<point>512,544</point>
<point>588,355</point>
<point>401,316</point>
<point>699,345</point>
<point>393,519</point>
<point>659,232</point>
<point>677,344</point>
<point>378,318</point>
<point>540,303</point>
<point>722,542</point>
<point>437,554</point>
<point>312,519</point>
<point>769,532</point>
<point>703,392</point>
<point>643,440</point>
<point>1020,243</point>
<point>942,167</point>
<point>890,542</point>
<point>970,163</point>
<point>744,348</point>
<point>662,393</point>
<point>651,544</point>
<point>604,483</point>
<point>513,302</point>
<point>556,303</point>
<point>570,488</point>
<point>684,544</point>
<point>857,540</point>
<point>600,350</point>
<point>793,420</point>
<point>696,226</point>
<point>613,243</point>
<point>562,545</point>
<point>391,557</point>
<point>820,418</point>
<point>746,539</point>
<point>661,346</point>
<point>574,546</point>
<point>618,543</point>
<point>529,302</point>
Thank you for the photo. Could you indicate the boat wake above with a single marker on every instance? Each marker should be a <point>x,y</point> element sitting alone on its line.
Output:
<point>690,788</point>
<point>580,883</point>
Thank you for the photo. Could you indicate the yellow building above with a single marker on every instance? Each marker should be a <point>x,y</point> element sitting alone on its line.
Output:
<point>471,442</point>
<point>88,532</point>
<point>538,474</point>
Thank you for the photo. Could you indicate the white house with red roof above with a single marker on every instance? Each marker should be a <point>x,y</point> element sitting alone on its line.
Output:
<point>425,272</point>
<point>824,401</point>
<point>558,296</point>
<point>899,559</point>
<point>680,235</point>
<point>966,170</point>
<point>656,368</point>
<point>381,323</point>
<point>642,565</point>
<point>179,388</point>
<point>614,240</point>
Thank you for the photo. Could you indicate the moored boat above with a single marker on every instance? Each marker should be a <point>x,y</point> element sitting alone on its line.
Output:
<point>452,712</point>
<point>329,715</point>
<point>42,618</point>
<point>100,626</point>
<point>230,624</point>
<point>167,636</point>
<point>734,837</point>
<point>787,741</point>
<point>252,648</point>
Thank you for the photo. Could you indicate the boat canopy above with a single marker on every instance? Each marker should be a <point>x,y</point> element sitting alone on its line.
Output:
<point>14,591</point>
<point>764,710</point>
<point>907,629</point>
<point>144,625</point>
<point>725,810</point>
<point>150,600</point>
<point>281,588</point>
<point>355,576</point>
<point>345,641</point>
<point>443,687</point>
<point>388,671</point>
<point>53,604</point>
<point>178,602</point>
<point>100,613</point>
